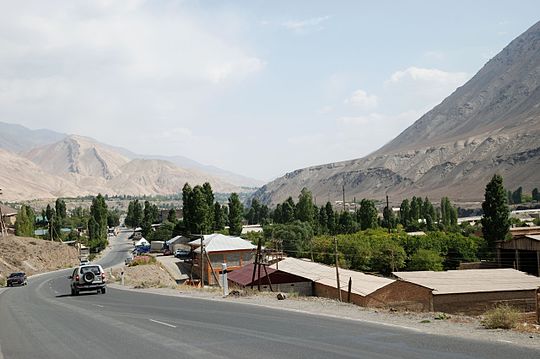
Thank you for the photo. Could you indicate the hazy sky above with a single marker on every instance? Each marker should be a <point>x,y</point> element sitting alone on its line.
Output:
<point>256,87</point>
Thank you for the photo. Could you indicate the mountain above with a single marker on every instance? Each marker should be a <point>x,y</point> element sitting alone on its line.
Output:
<point>78,165</point>
<point>22,179</point>
<point>214,171</point>
<point>489,125</point>
<point>17,138</point>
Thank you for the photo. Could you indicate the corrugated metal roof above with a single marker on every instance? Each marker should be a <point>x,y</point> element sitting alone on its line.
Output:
<point>8,211</point>
<point>219,243</point>
<point>534,237</point>
<point>472,280</point>
<point>362,284</point>
<point>243,275</point>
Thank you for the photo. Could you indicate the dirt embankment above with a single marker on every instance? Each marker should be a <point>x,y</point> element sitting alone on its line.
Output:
<point>144,276</point>
<point>32,255</point>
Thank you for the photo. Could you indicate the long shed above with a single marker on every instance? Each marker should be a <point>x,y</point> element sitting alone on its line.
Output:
<point>470,291</point>
<point>325,280</point>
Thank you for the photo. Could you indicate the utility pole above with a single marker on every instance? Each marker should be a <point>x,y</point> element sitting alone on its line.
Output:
<point>343,190</point>
<point>202,261</point>
<point>337,269</point>
<point>388,213</point>
<point>3,229</point>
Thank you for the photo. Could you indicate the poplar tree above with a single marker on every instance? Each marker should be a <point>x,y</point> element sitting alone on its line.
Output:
<point>236,211</point>
<point>495,222</point>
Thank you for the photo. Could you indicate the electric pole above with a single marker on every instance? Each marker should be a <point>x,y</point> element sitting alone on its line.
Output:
<point>337,269</point>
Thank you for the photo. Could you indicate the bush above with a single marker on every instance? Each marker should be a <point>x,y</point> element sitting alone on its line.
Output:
<point>142,260</point>
<point>2,281</point>
<point>502,316</point>
<point>426,259</point>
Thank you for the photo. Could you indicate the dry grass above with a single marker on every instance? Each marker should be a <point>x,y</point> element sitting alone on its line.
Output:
<point>501,317</point>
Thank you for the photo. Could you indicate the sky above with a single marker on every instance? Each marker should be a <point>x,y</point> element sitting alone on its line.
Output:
<point>256,87</point>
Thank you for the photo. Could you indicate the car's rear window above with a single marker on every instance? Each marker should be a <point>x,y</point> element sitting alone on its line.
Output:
<point>16,275</point>
<point>93,269</point>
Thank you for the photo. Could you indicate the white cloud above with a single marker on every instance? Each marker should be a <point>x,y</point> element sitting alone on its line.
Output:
<point>305,25</point>
<point>428,75</point>
<point>361,99</point>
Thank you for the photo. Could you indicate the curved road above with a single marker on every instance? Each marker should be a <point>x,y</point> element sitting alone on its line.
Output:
<point>42,321</point>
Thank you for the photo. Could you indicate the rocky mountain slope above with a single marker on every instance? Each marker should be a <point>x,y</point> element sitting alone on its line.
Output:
<point>489,125</point>
<point>78,166</point>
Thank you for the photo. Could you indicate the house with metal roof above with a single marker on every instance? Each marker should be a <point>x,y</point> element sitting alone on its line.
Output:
<point>9,214</point>
<point>471,291</point>
<point>522,252</point>
<point>324,280</point>
<point>218,249</point>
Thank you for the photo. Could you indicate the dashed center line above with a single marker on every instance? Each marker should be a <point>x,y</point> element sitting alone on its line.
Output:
<point>162,323</point>
<point>99,305</point>
<point>504,341</point>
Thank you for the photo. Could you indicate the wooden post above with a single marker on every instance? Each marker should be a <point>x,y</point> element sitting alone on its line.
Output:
<point>349,290</point>
<point>212,270</point>
<point>337,269</point>
<point>256,263</point>
<point>202,261</point>
<point>388,211</point>
<point>538,262</point>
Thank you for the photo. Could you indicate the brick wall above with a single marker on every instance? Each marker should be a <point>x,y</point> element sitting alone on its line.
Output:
<point>401,295</point>
<point>478,303</point>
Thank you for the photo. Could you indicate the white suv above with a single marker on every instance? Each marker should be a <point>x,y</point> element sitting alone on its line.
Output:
<point>87,277</point>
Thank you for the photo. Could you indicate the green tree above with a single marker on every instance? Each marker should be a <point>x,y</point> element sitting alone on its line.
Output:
<point>367,214</point>
<point>304,208</point>
<point>98,212</point>
<point>495,222</point>
<point>129,216</point>
<point>137,213</point>
<point>426,259</point>
<point>330,215</point>
<point>113,218</point>
<point>201,215</point>
<point>171,216</point>
<point>287,210</point>
<point>404,213</point>
<point>236,210</point>
<point>535,195</point>
<point>219,217</point>
<point>187,207</point>
<point>60,208</point>
<point>24,226</point>
<point>517,196</point>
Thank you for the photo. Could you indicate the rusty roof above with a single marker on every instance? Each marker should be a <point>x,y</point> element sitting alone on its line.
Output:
<point>472,280</point>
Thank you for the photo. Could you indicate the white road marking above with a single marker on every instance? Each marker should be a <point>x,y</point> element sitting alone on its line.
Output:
<point>162,323</point>
<point>99,305</point>
<point>504,341</point>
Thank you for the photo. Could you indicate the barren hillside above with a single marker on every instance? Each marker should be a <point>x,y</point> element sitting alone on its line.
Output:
<point>32,255</point>
<point>489,125</point>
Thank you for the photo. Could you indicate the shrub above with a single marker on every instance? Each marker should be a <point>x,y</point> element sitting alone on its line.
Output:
<point>142,260</point>
<point>2,281</point>
<point>426,259</point>
<point>503,316</point>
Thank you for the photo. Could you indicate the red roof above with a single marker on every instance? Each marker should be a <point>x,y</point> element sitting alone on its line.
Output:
<point>243,275</point>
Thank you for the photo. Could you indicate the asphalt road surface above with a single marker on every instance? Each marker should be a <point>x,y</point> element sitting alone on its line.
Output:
<point>42,321</point>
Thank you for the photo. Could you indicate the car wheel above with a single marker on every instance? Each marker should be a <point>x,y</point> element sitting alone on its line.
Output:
<point>103,290</point>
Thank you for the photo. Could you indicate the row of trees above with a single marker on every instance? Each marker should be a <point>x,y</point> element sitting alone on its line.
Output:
<point>419,214</point>
<point>518,197</point>
<point>202,214</point>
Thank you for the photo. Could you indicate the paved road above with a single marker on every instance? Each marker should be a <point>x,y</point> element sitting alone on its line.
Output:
<point>43,321</point>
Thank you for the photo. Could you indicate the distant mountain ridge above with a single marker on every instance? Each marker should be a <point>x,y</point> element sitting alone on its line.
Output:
<point>76,165</point>
<point>17,138</point>
<point>489,125</point>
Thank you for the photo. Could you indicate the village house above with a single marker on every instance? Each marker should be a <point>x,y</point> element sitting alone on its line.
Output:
<point>218,249</point>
